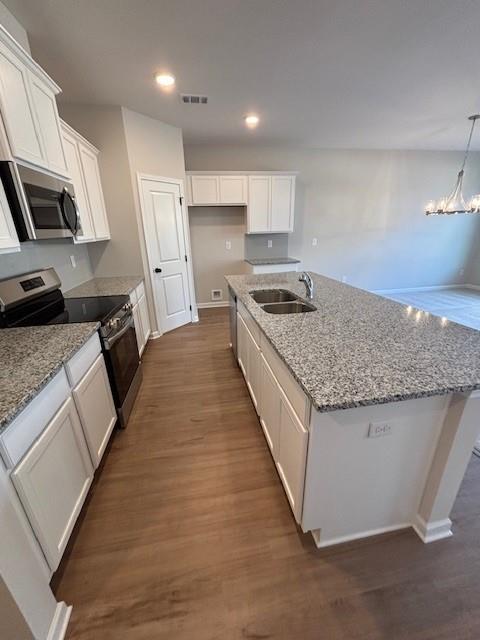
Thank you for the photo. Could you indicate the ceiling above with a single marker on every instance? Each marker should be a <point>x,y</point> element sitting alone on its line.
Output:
<point>385,74</point>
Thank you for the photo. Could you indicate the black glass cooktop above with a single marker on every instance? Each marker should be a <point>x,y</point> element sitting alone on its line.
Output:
<point>53,308</point>
<point>97,309</point>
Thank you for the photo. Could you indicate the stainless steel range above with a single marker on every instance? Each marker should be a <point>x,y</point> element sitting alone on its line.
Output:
<point>35,298</point>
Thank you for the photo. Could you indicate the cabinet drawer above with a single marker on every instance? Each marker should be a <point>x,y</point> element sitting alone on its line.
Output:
<point>296,396</point>
<point>27,427</point>
<point>81,362</point>
<point>250,322</point>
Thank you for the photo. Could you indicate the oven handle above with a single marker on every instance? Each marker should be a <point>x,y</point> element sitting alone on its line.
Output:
<point>109,342</point>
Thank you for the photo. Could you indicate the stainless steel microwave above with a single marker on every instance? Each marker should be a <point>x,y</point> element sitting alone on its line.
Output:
<point>42,205</point>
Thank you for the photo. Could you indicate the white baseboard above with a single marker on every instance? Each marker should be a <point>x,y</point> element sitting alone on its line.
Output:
<point>155,335</point>
<point>316,533</point>
<point>212,305</point>
<point>432,531</point>
<point>59,625</point>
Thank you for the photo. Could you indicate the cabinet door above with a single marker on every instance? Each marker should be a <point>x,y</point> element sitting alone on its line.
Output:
<point>233,189</point>
<point>282,203</point>
<point>270,407</point>
<point>253,370</point>
<point>93,187</point>
<point>258,210</point>
<point>205,189</point>
<point>93,398</point>
<point>45,106</point>
<point>53,479</point>
<point>242,344</point>
<point>17,109</point>
<point>8,234</point>
<point>74,169</point>
<point>144,318</point>
<point>291,457</point>
<point>138,328</point>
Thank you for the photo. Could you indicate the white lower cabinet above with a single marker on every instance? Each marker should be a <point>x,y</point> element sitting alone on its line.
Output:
<point>291,455</point>
<point>248,354</point>
<point>270,407</point>
<point>94,402</point>
<point>141,316</point>
<point>285,432</point>
<point>53,479</point>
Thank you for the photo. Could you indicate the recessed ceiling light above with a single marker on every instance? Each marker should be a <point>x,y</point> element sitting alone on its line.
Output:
<point>252,120</point>
<point>165,80</point>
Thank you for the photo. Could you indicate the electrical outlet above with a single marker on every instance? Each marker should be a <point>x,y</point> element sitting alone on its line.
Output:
<point>269,244</point>
<point>314,242</point>
<point>344,278</point>
<point>228,245</point>
<point>73,262</point>
<point>379,429</point>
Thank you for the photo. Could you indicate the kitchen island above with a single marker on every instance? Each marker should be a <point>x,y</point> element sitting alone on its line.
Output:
<point>370,408</point>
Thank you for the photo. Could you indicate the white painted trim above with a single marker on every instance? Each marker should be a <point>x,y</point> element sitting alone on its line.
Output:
<point>155,335</point>
<point>476,287</point>
<point>437,530</point>
<point>58,628</point>
<point>212,305</point>
<point>316,534</point>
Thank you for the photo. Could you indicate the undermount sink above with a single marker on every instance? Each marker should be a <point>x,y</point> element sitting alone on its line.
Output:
<point>289,307</point>
<point>272,295</point>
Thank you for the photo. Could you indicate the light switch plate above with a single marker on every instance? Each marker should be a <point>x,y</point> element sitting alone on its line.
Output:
<point>269,244</point>
<point>73,262</point>
<point>228,245</point>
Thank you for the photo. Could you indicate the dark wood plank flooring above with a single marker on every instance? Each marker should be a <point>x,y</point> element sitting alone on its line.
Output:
<point>188,534</point>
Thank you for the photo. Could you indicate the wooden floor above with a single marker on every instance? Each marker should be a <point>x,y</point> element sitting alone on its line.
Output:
<point>188,534</point>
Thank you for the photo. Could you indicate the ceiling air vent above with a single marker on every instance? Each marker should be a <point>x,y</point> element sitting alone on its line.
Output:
<point>191,99</point>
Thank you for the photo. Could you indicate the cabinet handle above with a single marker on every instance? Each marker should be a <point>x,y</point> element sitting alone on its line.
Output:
<point>157,270</point>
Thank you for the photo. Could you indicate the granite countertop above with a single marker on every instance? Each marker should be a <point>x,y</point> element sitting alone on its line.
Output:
<point>115,286</point>
<point>360,349</point>
<point>31,356</point>
<point>260,261</point>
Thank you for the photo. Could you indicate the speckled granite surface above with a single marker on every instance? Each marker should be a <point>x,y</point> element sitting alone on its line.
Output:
<point>360,349</point>
<point>118,286</point>
<point>31,356</point>
<point>260,261</point>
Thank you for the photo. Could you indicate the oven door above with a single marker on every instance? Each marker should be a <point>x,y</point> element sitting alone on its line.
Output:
<point>122,359</point>
<point>51,205</point>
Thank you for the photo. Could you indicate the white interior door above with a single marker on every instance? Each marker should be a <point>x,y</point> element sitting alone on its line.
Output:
<point>165,238</point>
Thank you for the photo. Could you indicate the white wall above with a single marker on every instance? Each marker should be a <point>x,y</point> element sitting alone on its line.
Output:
<point>104,127</point>
<point>49,253</point>
<point>153,148</point>
<point>210,229</point>
<point>13,26</point>
<point>365,209</point>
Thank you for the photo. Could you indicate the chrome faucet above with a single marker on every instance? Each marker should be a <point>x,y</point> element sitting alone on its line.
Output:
<point>306,278</point>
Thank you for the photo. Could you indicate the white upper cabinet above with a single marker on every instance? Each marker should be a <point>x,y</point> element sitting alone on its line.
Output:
<point>271,202</point>
<point>232,189</point>
<point>29,109</point>
<point>217,189</point>
<point>8,234</point>
<point>282,203</point>
<point>89,162</point>
<point>269,197</point>
<point>259,203</point>
<point>83,169</point>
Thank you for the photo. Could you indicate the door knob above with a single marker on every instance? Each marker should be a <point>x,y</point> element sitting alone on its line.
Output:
<point>157,270</point>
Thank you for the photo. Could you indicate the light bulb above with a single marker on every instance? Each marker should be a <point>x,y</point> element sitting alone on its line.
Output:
<point>252,120</point>
<point>165,80</point>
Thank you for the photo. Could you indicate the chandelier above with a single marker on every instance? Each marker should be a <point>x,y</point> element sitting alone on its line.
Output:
<point>455,202</point>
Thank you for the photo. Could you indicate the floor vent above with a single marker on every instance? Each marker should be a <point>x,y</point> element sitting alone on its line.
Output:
<point>191,99</point>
